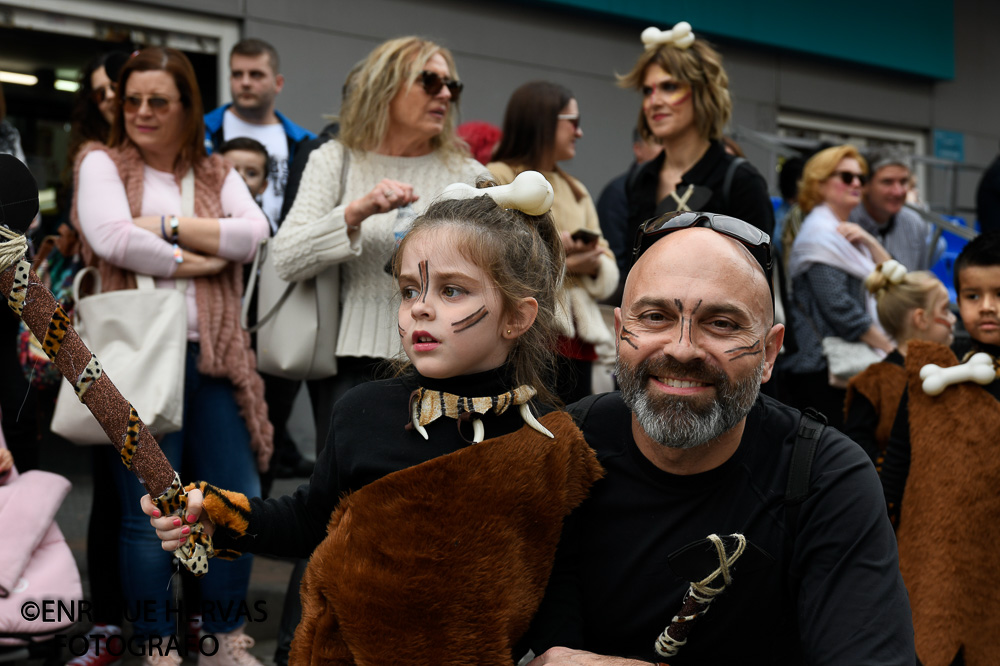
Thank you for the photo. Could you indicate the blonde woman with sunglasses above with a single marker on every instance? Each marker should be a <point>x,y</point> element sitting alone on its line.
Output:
<point>397,138</point>
<point>129,210</point>
<point>828,262</point>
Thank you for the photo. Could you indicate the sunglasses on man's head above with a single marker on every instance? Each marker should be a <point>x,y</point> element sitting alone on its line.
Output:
<point>434,82</point>
<point>847,177</point>
<point>755,240</point>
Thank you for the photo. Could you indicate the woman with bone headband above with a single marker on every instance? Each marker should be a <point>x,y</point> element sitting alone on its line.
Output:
<point>911,306</point>
<point>685,106</point>
<point>397,139</point>
<point>540,129</point>
<point>433,544</point>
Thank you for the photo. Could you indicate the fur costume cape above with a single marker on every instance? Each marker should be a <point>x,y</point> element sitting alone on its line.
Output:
<point>225,346</point>
<point>445,562</point>
<point>882,384</point>
<point>949,528</point>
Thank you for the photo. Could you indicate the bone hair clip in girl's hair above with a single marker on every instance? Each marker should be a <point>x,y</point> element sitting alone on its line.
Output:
<point>680,36</point>
<point>893,271</point>
<point>529,193</point>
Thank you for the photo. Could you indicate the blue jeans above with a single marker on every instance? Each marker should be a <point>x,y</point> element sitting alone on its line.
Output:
<point>213,446</point>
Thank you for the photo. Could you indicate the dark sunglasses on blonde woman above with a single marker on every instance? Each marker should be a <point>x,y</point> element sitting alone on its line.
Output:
<point>847,177</point>
<point>434,82</point>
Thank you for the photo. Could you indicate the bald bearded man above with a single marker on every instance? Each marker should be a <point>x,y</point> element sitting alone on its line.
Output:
<point>691,449</point>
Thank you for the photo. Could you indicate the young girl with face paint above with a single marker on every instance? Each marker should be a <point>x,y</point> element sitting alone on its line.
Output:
<point>436,506</point>
<point>911,306</point>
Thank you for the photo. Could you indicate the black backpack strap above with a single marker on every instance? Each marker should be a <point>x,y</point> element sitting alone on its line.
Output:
<point>811,426</point>
<point>727,183</point>
<point>579,409</point>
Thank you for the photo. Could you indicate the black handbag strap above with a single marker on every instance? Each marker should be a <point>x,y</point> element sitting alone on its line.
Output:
<point>261,256</point>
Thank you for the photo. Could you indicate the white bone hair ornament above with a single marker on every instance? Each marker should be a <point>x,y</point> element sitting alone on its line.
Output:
<point>977,369</point>
<point>893,271</point>
<point>680,36</point>
<point>529,193</point>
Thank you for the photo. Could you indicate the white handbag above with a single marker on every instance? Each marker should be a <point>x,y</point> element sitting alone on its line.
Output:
<point>297,322</point>
<point>140,338</point>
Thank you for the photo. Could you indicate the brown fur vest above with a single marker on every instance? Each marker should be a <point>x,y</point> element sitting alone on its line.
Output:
<point>950,523</point>
<point>444,563</point>
<point>225,346</point>
<point>882,385</point>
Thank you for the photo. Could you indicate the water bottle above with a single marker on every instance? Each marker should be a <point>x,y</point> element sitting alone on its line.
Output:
<point>404,220</point>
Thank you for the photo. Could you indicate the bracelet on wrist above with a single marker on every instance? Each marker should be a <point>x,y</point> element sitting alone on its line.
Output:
<point>178,254</point>
<point>163,227</point>
<point>175,225</point>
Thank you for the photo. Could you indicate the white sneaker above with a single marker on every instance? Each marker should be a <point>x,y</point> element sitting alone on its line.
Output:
<point>232,650</point>
<point>97,654</point>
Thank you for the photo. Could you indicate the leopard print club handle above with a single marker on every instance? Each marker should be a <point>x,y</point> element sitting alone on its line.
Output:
<point>34,304</point>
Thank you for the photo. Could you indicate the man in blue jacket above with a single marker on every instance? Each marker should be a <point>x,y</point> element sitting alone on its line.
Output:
<point>255,83</point>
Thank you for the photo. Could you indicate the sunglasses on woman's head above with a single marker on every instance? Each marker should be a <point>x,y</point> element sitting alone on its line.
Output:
<point>133,103</point>
<point>847,177</point>
<point>756,241</point>
<point>434,82</point>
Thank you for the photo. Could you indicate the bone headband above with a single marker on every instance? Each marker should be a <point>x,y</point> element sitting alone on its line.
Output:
<point>893,271</point>
<point>529,193</point>
<point>679,37</point>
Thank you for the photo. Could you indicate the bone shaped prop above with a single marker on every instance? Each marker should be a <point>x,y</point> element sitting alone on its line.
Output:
<point>530,193</point>
<point>680,36</point>
<point>977,369</point>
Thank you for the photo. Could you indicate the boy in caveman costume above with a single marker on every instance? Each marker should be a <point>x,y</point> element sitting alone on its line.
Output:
<point>940,478</point>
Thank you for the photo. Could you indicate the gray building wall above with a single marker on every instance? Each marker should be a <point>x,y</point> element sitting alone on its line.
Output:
<point>498,47</point>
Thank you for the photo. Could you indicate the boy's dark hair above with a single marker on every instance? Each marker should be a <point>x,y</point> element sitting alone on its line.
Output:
<point>255,47</point>
<point>245,143</point>
<point>983,250</point>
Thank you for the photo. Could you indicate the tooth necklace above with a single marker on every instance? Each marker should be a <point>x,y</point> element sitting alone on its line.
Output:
<point>427,406</point>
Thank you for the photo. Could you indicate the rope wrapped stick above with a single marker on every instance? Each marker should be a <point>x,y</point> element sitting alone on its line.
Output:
<point>699,597</point>
<point>34,304</point>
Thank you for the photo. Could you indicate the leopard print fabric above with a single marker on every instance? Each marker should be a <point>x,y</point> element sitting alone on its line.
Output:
<point>20,288</point>
<point>196,549</point>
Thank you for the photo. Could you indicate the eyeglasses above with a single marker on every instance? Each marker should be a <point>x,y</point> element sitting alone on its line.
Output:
<point>101,94</point>
<point>847,177</point>
<point>133,103</point>
<point>574,118</point>
<point>755,240</point>
<point>434,82</point>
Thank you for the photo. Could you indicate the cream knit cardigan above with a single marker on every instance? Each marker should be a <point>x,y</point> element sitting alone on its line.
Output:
<point>314,236</point>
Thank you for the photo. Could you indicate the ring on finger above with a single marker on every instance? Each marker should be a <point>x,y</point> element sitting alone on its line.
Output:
<point>389,193</point>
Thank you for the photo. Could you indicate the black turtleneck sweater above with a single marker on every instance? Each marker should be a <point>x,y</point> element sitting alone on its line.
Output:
<point>368,440</point>
<point>896,468</point>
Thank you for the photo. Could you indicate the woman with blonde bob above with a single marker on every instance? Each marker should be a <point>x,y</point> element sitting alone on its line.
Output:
<point>685,107</point>
<point>911,306</point>
<point>398,143</point>
<point>828,262</point>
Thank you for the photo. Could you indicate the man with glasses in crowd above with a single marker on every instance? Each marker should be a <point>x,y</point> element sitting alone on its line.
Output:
<point>698,470</point>
<point>883,213</point>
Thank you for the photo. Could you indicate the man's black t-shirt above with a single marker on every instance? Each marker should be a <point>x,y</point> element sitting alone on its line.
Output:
<point>825,591</point>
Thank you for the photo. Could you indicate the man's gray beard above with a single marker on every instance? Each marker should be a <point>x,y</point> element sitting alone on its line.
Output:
<point>678,422</point>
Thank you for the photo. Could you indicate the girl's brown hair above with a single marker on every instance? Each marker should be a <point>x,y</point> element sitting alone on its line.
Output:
<point>176,64</point>
<point>523,256</point>
<point>895,302</point>
<point>700,66</point>
<point>820,167</point>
